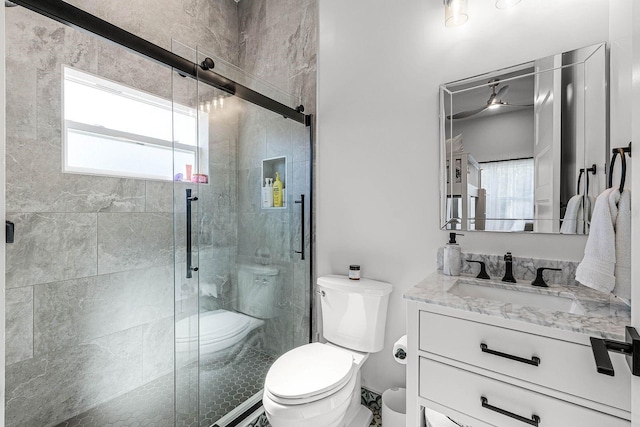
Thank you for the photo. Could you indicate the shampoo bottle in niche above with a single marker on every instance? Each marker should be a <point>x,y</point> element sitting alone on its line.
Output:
<point>267,194</point>
<point>277,192</point>
<point>452,256</point>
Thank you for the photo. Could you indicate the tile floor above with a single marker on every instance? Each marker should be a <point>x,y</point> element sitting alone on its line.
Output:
<point>223,386</point>
<point>370,399</point>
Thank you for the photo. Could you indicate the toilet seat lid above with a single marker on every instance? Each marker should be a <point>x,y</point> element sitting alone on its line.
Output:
<point>309,370</point>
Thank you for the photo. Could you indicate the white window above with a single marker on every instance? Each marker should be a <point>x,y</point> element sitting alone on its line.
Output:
<point>114,130</point>
<point>509,186</point>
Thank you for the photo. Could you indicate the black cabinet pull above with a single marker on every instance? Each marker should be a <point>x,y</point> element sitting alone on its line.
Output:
<point>534,420</point>
<point>535,361</point>
<point>301,251</point>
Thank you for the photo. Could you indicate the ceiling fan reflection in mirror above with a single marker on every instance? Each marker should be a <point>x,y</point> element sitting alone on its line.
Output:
<point>494,102</point>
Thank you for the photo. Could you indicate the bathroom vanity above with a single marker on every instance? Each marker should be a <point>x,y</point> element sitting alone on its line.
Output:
<point>488,353</point>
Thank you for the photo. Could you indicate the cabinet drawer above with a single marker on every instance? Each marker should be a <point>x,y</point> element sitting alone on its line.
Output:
<point>463,391</point>
<point>564,366</point>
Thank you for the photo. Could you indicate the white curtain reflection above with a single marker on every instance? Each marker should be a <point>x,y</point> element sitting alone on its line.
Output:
<point>509,201</point>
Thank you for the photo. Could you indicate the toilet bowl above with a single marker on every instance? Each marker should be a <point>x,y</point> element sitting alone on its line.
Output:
<point>318,384</point>
<point>211,332</point>
<point>314,385</point>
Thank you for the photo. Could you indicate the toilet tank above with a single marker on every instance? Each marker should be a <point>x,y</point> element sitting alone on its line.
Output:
<point>258,290</point>
<point>354,312</point>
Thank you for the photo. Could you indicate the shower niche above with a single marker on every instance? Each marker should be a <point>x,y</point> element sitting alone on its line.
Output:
<point>270,167</point>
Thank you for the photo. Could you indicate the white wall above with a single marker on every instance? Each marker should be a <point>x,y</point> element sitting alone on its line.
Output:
<point>621,60</point>
<point>635,201</point>
<point>498,137</point>
<point>380,64</point>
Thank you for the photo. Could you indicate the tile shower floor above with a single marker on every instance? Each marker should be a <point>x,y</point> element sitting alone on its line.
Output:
<point>223,386</point>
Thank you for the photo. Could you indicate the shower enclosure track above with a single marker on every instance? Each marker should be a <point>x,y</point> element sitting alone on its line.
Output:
<point>74,17</point>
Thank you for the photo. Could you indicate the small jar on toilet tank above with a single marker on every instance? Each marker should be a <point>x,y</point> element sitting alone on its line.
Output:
<point>354,272</point>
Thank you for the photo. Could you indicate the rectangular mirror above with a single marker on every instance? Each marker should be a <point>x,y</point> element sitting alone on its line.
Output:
<point>524,149</point>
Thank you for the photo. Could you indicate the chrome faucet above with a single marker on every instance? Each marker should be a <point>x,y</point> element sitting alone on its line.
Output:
<point>508,273</point>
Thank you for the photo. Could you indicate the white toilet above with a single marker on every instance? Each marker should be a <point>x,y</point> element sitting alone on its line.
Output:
<point>211,332</point>
<point>318,385</point>
<point>258,290</point>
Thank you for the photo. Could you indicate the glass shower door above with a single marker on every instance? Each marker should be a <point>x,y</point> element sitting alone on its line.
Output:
<point>103,236</point>
<point>187,157</point>
<point>89,276</point>
<point>247,300</point>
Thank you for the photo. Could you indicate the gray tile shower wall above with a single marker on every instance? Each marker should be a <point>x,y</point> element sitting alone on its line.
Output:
<point>90,277</point>
<point>55,386</point>
<point>50,246</point>
<point>278,43</point>
<point>19,321</point>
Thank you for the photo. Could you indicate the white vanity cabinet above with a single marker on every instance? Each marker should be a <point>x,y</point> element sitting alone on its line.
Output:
<point>486,371</point>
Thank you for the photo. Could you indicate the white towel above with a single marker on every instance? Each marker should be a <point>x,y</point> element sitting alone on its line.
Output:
<point>577,215</point>
<point>620,205</point>
<point>596,269</point>
<point>584,215</point>
<point>454,145</point>
<point>570,220</point>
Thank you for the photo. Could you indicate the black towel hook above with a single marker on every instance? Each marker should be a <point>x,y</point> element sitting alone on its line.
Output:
<point>623,174</point>
<point>613,162</point>
<point>593,169</point>
<point>579,178</point>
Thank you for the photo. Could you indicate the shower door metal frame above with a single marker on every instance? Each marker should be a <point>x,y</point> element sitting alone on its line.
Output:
<point>74,17</point>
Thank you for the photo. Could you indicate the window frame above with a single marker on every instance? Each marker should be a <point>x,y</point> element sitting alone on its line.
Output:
<point>201,121</point>
<point>496,223</point>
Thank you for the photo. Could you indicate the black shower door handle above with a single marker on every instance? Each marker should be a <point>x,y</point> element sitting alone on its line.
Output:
<point>301,251</point>
<point>190,199</point>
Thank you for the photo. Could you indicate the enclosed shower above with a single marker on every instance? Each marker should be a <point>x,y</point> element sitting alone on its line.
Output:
<point>149,282</point>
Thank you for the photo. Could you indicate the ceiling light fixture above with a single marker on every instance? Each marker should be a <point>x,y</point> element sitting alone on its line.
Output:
<point>456,12</point>
<point>506,4</point>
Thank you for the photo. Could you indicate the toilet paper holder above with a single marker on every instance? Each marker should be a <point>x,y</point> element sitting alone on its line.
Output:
<point>399,350</point>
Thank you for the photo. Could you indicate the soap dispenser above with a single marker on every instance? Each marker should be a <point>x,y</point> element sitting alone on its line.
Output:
<point>452,256</point>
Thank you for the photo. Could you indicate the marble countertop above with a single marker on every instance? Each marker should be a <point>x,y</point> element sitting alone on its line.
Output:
<point>604,315</point>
